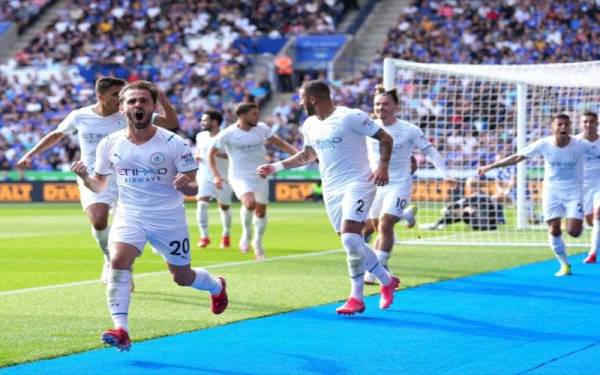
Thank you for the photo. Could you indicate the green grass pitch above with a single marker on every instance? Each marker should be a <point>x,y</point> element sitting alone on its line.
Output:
<point>52,303</point>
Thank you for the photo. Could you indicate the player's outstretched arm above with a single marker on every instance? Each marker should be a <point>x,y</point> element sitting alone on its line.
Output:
<point>186,183</point>
<point>45,143</point>
<point>438,162</point>
<point>96,183</point>
<point>169,120</point>
<point>282,145</point>
<point>307,155</point>
<point>509,160</point>
<point>380,176</point>
<point>212,164</point>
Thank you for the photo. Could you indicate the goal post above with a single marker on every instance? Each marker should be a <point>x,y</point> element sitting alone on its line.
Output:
<point>476,114</point>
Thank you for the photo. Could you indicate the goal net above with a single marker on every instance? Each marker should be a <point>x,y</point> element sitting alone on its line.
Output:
<point>474,115</point>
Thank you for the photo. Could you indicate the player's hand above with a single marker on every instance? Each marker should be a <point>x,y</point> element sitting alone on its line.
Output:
<point>24,162</point>
<point>413,164</point>
<point>79,168</point>
<point>380,176</point>
<point>483,170</point>
<point>218,182</point>
<point>181,181</point>
<point>265,170</point>
<point>162,96</point>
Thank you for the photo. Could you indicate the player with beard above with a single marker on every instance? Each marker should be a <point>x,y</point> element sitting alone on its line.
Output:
<point>244,143</point>
<point>211,121</point>
<point>336,136</point>
<point>154,169</point>
<point>562,194</point>
<point>92,124</point>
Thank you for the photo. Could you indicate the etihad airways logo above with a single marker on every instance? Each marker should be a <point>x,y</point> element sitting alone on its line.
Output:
<point>327,143</point>
<point>141,175</point>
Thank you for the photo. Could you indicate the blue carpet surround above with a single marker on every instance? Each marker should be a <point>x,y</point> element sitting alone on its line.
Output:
<point>518,321</point>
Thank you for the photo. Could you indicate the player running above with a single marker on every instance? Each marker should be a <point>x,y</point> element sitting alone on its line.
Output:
<point>154,169</point>
<point>244,144</point>
<point>211,121</point>
<point>392,201</point>
<point>92,124</point>
<point>336,136</point>
<point>562,194</point>
<point>591,183</point>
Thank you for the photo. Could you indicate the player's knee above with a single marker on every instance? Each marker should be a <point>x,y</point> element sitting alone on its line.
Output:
<point>182,279</point>
<point>250,204</point>
<point>99,223</point>
<point>386,227</point>
<point>574,232</point>
<point>353,244</point>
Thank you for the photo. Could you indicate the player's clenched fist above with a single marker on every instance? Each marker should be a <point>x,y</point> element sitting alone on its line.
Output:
<point>181,180</point>
<point>79,168</point>
<point>265,170</point>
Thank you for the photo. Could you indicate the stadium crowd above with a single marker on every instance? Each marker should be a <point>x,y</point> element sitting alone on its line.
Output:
<point>496,32</point>
<point>183,46</point>
<point>186,48</point>
<point>22,12</point>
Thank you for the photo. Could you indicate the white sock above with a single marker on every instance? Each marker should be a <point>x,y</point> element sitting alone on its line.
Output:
<point>356,266</point>
<point>383,257</point>
<point>260,224</point>
<point>558,246</point>
<point>205,281</point>
<point>101,237</point>
<point>246,221</point>
<point>595,237</point>
<point>225,221</point>
<point>118,296</point>
<point>372,265</point>
<point>202,218</point>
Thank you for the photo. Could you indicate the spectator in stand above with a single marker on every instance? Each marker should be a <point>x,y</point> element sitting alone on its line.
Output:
<point>285,70</point>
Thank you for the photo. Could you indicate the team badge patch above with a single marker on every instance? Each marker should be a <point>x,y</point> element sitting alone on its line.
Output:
<point>157,158</point>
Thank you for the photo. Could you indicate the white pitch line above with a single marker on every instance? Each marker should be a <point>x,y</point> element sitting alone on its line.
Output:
<point>148,274</point>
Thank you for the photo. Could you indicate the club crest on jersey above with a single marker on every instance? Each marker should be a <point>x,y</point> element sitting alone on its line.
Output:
<point>157,158</point>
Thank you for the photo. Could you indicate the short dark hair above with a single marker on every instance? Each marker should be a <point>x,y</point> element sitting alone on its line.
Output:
<point>590,114</point>
<point>393,94</point>
<point>317,88</point>
<point>214,115</point>
<point>139,85</point>
<point>105,83</point>
<point>244,108</point>
<point>561,116</point>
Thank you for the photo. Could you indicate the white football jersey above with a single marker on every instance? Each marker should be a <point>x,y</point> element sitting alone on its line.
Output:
<point>591,168</point>
<point>145,172</point>
<point>563,166</point>
<point>339,142</point>
<point>245,149</point>
<point>407,137</point>
<point>91,128</point>
<point>204,142</point>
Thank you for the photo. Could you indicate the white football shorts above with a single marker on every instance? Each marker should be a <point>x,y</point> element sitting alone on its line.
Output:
<point>391,199</point>
<point>209,189</point>
<point>167,233</point>
<point>352,203</point>
<point>562,203</point>
<point>108,196</point>
<point>258,186</point>
<point>591,199</point>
